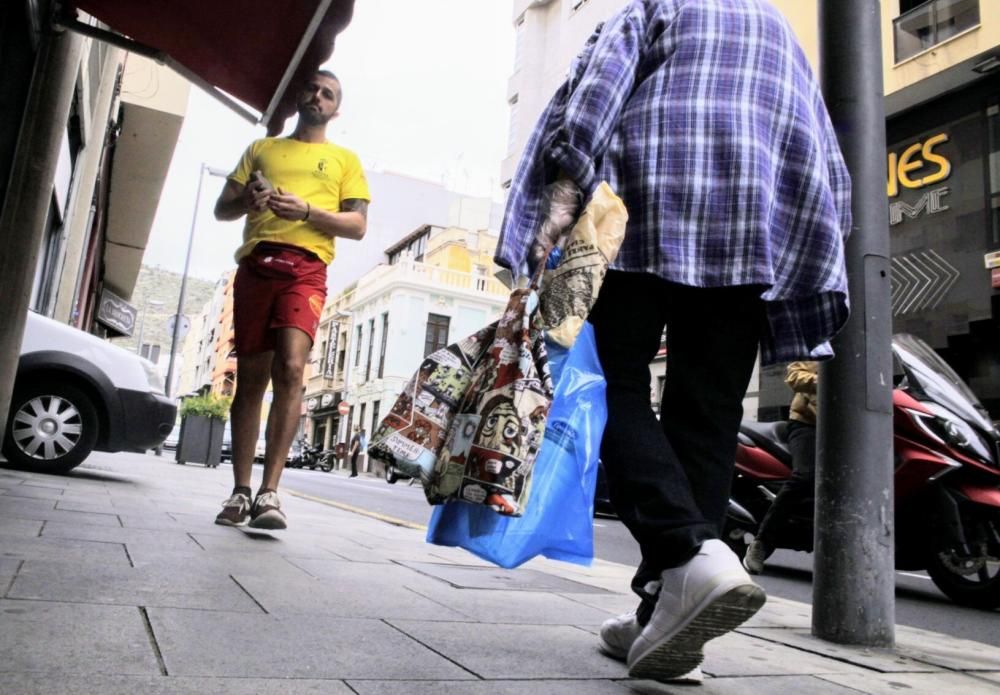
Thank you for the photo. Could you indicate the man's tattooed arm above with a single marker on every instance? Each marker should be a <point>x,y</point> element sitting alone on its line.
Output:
<point>350,222</point>
<point>355,205</point>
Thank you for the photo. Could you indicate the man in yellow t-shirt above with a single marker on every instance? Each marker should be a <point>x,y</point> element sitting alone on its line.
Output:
<point>299,193</point>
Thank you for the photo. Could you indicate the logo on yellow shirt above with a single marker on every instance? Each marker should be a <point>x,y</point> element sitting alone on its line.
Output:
<point>321,172</point>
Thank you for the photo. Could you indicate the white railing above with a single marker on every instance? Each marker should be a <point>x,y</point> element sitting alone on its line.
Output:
<point>434,276</point>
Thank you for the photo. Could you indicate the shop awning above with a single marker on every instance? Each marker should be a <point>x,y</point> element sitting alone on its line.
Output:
<point>245,53</point>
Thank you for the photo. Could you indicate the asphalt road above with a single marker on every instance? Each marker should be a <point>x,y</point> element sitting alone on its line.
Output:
<point>788,575</point>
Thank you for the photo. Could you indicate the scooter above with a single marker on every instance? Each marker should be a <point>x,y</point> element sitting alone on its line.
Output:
<point>947,480</point>
<point>312,457</point>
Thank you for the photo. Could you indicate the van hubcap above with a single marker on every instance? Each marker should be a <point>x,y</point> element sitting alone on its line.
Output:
<point>47,427</point>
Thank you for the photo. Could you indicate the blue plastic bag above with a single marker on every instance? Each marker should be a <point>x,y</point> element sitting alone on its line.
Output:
<point>558,521</point>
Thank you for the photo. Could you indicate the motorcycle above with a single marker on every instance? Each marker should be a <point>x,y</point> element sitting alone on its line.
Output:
<point>312,457</point>
<point>947,480</point>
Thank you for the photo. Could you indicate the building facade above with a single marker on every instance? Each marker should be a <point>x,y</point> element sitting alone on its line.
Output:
<point>435,286</point>
<point>941,66</point>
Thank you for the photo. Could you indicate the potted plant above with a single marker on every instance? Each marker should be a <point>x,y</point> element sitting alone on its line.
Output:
<point>203,421</point>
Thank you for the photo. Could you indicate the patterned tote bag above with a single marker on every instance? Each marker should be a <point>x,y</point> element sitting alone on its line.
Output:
<point>469,423</point>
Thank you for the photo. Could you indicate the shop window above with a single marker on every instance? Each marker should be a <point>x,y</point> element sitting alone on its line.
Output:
<point>921,26</point>
<point>437,333</point>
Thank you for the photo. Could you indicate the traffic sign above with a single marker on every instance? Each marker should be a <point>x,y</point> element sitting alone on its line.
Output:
<point>343,407</point>
<point>184,328</point>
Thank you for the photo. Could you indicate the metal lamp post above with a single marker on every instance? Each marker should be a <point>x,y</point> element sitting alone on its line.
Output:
<point>176,332</point>
<point>142,321</point>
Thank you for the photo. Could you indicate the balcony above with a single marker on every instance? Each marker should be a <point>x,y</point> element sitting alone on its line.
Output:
<point>931,24</point>
<point>431,277</point>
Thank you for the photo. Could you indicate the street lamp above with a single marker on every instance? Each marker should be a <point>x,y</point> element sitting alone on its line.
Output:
<point>176,332</point>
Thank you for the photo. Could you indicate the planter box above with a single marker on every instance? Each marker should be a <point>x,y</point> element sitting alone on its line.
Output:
<point>200,440</point>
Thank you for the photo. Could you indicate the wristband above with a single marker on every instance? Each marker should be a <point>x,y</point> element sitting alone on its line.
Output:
<point>308,210</point>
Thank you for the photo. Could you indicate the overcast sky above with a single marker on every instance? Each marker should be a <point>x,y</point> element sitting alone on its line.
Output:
<point>424,95</point>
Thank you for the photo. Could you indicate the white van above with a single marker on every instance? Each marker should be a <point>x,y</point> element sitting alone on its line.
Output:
<point>75,393</point>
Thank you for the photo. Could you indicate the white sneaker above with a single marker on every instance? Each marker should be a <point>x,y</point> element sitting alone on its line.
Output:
<point>703,599</point>
<point>618,635</point>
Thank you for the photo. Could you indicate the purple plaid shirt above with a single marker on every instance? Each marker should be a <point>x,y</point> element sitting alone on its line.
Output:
<point>705,117</point>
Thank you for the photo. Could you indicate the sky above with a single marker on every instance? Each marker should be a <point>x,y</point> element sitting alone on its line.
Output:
<point>424,95</point>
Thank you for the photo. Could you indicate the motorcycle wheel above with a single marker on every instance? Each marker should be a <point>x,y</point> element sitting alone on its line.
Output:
<point>390,475</point>
<point>980,589</point>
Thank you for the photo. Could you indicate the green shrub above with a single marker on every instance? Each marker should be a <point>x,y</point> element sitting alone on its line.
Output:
<point>208,405</point>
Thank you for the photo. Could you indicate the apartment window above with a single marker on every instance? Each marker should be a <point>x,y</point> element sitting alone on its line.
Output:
<point>361,417</point>
<point>385,337</point>
<point>437,333</point>
<point>518,42</point>
<point>993,140</point>
<point>922,25</point>
<point>512,130</point>
<point>371,348</point>
<point>577,4</point>
<point>357,348</point>
<point>375,405</point>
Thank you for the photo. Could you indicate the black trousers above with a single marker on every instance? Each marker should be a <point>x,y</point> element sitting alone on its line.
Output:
<point>669,480</point>
<point>797,496</point>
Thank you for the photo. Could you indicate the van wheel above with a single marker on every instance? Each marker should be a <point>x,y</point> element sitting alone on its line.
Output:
<point>52,427</point>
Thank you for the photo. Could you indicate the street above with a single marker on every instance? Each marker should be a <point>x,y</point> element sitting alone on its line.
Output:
<point>918,602</point>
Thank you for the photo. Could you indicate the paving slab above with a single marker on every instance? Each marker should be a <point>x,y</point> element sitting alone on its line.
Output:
<point>201,643</point>
<point>45,510</point>
<point>174,540</point>
<point>351,591</point>
<point>178,587</point>
<point>34,492</point>
<point>24,528</point>
<point>75,553</point>
<point>475,577</point>
<point>737,654</point>
<point>500,651</point>
<point>886,661</point>
<point>85,504</point>
<point>895,683</point>
<point>74,639</point>
<point>492,687</point>
<point>535,608</point>
<point>793,685</point>
<point>8,569</point>
<point>946,651</point>
<point>43,684</point>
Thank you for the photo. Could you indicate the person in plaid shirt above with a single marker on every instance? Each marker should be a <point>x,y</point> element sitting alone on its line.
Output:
<point>705,117</point>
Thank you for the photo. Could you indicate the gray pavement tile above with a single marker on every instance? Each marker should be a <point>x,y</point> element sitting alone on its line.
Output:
<point>778,612</point>
<point>249,540</point>
<point>74,639</point>
<point>892,683</point>
<point>77,504</point>
<point>736,654</point>
<point>354,591</point>
<point>41,684</point>
<point>608,603</point>
<point>199,643</point>
<point>24,528</point>
<point>230,562</point>
<point>69,552</point>
<point>34,492</point>
<point>883,660</point>
<point>491,687</point>
<point>45,510</point>
<point>519,607</point>
<point>8,568</point>
<point>466,577</point>
<point>501,651</point>
<point>946,651</point>
<point>794,685</point>
<point>991,676</point>
<point>151,519</point>
<point>178,587</point>
<point>162,540</point>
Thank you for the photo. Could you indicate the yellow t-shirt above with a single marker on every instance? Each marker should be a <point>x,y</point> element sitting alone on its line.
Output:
<point>323,174</point>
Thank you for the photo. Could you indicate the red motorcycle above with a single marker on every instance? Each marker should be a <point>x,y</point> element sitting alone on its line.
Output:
<point>947,480</point>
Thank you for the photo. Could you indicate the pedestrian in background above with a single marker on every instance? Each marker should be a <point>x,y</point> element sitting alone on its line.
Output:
<point>706,118</point>
<point>356,446</point>
<point>799,493</point>
<point>298,193</point>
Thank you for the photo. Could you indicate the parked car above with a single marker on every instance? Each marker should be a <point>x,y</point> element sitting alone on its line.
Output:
<point>226,453</point>
<point>170,443</point>
<point>260,448</point>
<point>75,393</point>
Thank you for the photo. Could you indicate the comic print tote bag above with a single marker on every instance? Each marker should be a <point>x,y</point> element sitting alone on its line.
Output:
<point>470,422</point>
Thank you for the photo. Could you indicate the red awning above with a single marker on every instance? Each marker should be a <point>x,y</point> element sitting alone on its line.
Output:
<point>251,50</point>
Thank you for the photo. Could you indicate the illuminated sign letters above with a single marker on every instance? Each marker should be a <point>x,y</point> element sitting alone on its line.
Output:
<point>916,167</point>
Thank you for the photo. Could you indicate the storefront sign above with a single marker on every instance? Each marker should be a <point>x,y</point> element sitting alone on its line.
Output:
<point>115,313</point>
<point>917,167</point>
<point>992,259</point>
<point>311,404</point>
<point>326,400</point>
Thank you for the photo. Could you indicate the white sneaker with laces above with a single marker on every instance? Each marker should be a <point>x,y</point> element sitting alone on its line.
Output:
<point>618,635</point>
<point>705,598</point>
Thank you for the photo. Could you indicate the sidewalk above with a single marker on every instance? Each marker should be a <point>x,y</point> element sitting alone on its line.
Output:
<point>115,580</point>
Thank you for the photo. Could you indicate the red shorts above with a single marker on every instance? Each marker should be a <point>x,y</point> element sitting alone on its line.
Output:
<point>276,286</point>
